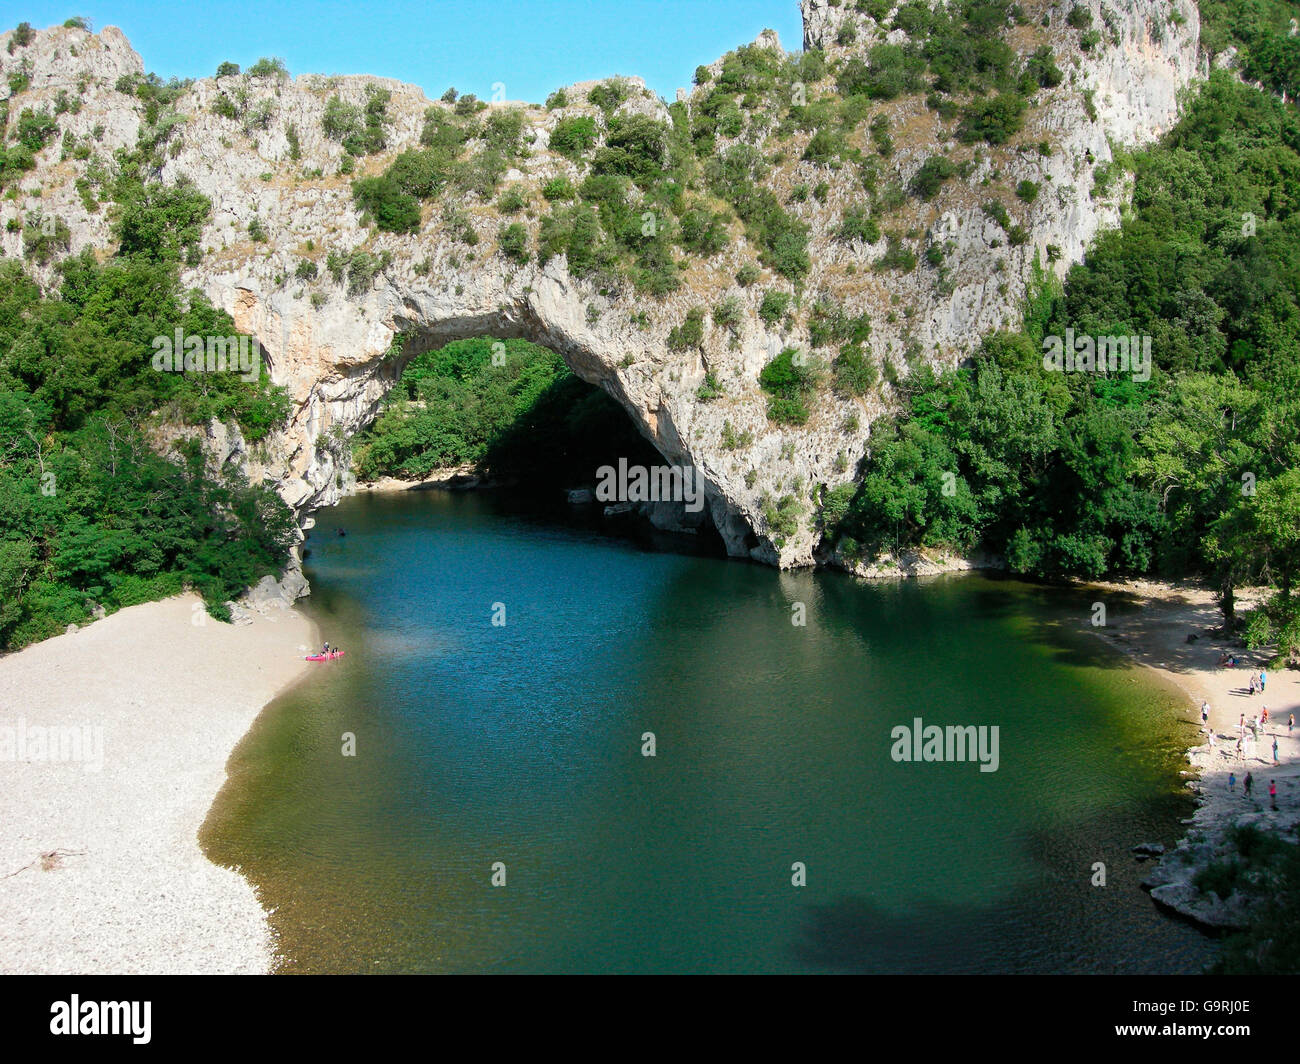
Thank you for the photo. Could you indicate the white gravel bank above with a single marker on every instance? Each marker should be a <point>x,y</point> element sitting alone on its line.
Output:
<point>128,889</point>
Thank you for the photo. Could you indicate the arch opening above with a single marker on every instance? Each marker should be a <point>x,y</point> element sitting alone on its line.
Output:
<point>463,408</point>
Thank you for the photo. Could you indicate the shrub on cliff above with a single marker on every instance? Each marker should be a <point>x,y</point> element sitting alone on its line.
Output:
<point>440,132</point>
<point>514,243</point>
<point>703,231</point>
<point>609,94</point>
<point>159,222</point>
<point>340,119</point>
<point>21,37</point>
<point>572,137</point>
<point>775,306</point>
<point>35,128</point>
<point>789,380</point>
<point>635,147</point>
<point>855,373</point>
<point>927,181</point>
<point>888,71</point>
<point>382,197</point>
<point>995,120</point>
<point>690,333</point>
<point>269,67</point>
<point>782,516</point>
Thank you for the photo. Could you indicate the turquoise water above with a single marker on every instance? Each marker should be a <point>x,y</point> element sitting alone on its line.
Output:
<point>522,744</point>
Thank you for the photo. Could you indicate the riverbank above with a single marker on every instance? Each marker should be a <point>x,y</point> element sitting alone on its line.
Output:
<point>100,865</point>
<point>452,478</point>
<point>1151,622</point>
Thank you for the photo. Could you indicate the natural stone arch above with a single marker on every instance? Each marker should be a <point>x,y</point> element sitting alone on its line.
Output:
<point>353,344</point>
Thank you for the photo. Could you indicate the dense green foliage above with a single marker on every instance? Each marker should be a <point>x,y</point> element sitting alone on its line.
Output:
<point>522,414</point>
<point>1087,474</point>
<point>90,513</point>
<point>1268,49</point>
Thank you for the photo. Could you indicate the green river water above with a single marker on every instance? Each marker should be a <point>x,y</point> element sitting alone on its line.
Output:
<point>522,744</point>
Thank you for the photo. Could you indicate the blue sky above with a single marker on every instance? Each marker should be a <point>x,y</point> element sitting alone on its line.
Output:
<point>531,46</point>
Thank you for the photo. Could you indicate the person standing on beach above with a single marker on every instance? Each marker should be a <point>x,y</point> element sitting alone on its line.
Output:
<point>1262,677</point>
<point>1254,684</point>
<point>1248,783</point>
<point>1263,718</point>
<point>1205,714</point>
<point>1290,723</point>
<point>1272,793</point>
<point>1239,738</point>
<point>1241,724</point>
<point>1232,781</point>
<point>1275,760</point>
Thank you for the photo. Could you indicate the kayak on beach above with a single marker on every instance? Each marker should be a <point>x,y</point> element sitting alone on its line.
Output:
<point>326,657</point>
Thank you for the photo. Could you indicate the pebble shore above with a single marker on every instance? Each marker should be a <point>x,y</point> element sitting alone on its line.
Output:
<point>100,865</point>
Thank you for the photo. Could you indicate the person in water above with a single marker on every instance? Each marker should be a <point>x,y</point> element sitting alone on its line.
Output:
<point>326,651</point>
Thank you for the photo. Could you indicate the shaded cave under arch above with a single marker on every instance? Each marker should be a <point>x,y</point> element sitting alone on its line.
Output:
<point>417,336</point>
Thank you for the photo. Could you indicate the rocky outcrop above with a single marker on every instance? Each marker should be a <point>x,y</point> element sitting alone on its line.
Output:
<point>1218,876</point>
<point>338,348</point>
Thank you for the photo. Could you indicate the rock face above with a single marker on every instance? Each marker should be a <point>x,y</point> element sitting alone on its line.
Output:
<point>338,348</point>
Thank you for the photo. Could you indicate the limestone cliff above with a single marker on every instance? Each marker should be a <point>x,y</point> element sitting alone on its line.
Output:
<point>339,347</point>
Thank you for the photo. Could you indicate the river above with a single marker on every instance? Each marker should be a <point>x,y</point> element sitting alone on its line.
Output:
<point>516,752</point>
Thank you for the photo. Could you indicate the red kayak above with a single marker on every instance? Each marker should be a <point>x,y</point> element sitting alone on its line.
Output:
<point>326,657</point>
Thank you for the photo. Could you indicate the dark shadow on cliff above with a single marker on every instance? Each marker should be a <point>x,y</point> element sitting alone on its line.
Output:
<point>563,438</point>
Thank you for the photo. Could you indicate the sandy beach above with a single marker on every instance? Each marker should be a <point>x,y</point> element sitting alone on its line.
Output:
<point>449,477</point>
<point>113,745</point>
<point>1156,635</point>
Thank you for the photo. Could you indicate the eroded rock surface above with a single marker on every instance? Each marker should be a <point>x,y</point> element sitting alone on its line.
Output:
<point>339,348</point>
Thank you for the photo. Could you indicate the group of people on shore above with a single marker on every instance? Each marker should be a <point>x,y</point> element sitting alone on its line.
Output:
<point>1248,733</point>
<point>1248,783</point>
